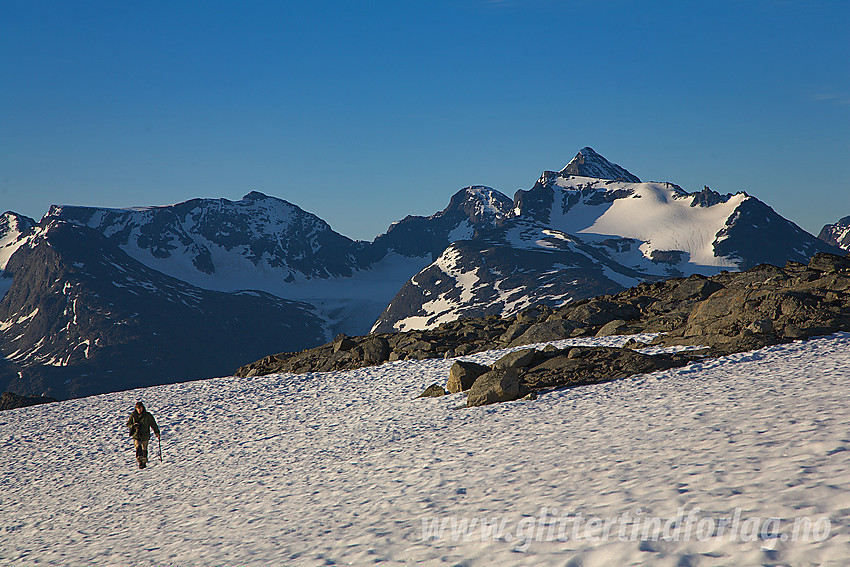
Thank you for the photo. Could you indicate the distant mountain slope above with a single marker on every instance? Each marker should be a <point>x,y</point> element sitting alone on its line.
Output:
<point>82,317</point>
<point>258,242</point>
<point>573,236</point>
<point>837,234</point>
<point>265,243</point>
<point>519,265</point>
<point>470,210</point>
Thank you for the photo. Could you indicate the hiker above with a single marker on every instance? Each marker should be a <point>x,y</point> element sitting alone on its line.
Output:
<point>140,424</point>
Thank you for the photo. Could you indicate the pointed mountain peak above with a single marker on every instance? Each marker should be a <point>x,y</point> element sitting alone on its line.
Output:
<point>255,196</point>
<point>588,163</point>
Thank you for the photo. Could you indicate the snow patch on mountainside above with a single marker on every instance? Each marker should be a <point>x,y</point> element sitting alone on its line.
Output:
<point>659,215</point>
<point>441,309</point>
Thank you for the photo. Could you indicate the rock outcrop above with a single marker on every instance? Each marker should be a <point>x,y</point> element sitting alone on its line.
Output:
<point>527,371</point>
<point>726,313</point>
<point>9,400</point>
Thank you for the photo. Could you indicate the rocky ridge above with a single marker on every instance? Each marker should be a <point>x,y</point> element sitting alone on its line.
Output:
<point>726,313</point>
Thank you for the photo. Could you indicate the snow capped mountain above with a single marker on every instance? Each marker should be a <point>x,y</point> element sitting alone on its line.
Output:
<point>572,236</point>
<point>591,228</point>
<point>514,267</point>
<point>82,317</point>
<point>262,266</point>
<point>268,244</point>
<point>663,230</point>
<point>470,210</point>
<point>837,234</point>
<point>259,242</point>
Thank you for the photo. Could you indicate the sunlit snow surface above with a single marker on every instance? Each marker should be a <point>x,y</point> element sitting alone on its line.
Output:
<point>343,468</point>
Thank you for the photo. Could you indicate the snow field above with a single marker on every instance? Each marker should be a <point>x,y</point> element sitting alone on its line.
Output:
<point>346,468</point>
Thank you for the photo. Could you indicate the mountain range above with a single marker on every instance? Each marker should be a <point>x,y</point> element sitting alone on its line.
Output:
<point>99,300</point>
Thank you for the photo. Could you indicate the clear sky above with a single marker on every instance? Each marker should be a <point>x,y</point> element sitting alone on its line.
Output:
<point>364,112</point>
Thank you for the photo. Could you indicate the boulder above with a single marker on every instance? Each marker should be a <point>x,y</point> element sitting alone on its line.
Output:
<point>600,311</point>
<point>514,331</point>
<point>589,365</point>
<point>343,343</point>
<point>500,385</point>
<point>433,391</point>
<point>516,359</point>
<point>760,326</point>
<point>694,287</point>
<point>615,327</point>
<point>547,331</point>
<point>375,350</point>
<point>463,374</point>
<point>793,332</point>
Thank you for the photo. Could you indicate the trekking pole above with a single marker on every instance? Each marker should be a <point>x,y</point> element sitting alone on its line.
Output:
<point>159,439</point>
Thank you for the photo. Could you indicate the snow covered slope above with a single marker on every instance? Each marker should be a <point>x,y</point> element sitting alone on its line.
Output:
<point>661,229</point>
<point>710,464</point>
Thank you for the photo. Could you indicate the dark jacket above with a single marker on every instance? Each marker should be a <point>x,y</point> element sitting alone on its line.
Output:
<point>145,422</point>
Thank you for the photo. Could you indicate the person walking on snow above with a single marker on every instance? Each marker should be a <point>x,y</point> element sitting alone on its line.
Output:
<point>140,424</point>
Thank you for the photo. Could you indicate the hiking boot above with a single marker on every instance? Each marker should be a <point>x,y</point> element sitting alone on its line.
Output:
<point>142,464</point>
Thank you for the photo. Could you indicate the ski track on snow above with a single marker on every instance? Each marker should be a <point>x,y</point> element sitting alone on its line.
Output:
<point>342,468</point>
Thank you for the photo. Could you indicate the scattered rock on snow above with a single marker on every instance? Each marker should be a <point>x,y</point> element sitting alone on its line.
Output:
<point>433,391</point>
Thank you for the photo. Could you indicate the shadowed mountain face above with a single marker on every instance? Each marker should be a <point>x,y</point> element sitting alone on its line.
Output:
<point>82,317</point>
<point>837,234</point>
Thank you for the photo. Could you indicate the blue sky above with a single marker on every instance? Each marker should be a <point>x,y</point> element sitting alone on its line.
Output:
<point>364,112</point>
